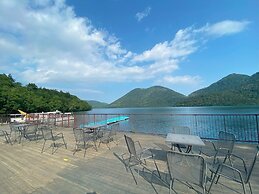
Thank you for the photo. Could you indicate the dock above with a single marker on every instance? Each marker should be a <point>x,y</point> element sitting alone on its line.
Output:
<point>24,169</point>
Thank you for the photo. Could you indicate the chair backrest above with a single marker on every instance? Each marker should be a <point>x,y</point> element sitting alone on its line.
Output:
<point>115,126</point>
<point>251,167</point>
<point>47,132</point>
<point>114,129</point>
<point>187,167</point>
<point>181,130</point>
<point>131,146</point>
<point>12,127</point>
<point>226,141</point>
<point>78,134</point>
<point>31,128</point>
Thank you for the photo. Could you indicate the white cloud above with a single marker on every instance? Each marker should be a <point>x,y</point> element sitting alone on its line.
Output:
<point>141,15</point>
<point>226,27</point>
<point>183,44</point>
<point>85,90</point>
<point>45,42</point>
<point>186,79</point>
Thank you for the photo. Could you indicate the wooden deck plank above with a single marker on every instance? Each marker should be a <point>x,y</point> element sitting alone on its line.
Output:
<point>24,169</point>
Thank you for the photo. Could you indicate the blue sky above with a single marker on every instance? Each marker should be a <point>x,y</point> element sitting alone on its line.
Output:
<point>102,49</point>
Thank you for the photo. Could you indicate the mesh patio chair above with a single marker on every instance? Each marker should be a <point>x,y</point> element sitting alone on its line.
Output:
<point>188,168</point>
<point>7,136</point>
<point>136,156</point>
<point>109,135</point>
<point>48,135</point>
<point>222,147</point>
<point>83,139</point>
<point>14,133</point>
<point>239,171</point>
<point>180,130</point>
<point>31,132</point>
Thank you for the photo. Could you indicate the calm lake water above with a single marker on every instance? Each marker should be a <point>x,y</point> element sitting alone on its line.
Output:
<point>180,110</point>
<point>203,121</point>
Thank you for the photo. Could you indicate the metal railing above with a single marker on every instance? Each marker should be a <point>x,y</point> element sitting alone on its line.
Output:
<point>244,126</point>
<point>63,119</point>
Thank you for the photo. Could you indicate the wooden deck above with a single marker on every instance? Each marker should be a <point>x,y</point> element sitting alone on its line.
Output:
<point>23,169</point>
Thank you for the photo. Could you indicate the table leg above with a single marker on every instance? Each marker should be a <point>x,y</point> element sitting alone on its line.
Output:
<point>179,148</point>
<point>189,148</point>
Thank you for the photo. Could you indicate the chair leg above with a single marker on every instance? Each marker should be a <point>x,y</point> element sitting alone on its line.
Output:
<point>250,187</point>
<point>85,148</point>
<point>7,138</point>
<point>95,145</point>
<point>108,146</point>
<point>43,146</point>
<point>64,142</point>
<point>243,184</point>
<point>204,189</point>
<point>76,147</point>
<point>213,179</point>
<point>54,145</point>
<point>157,169</point>
<point>170,186</point>
<point>133,176</point>
<point>99,143</point>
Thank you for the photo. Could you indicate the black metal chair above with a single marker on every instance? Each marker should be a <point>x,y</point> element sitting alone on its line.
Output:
<point>222,147</point>
<point>180,130</point>
<point>14,133</point>
<point>136,156</point>
<point>238,171</point>
<point>48,135</point>
<point>83,139</point>
<point>7,136</point>
<point>188,168</point>
<point>109,135</point>
<point>31,132</point>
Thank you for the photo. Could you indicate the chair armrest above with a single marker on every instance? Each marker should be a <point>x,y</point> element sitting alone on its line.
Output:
<point>222,151</point>
<point>238,157</point>
<point>223,165</point>
<point>139,144</point>
<point>213,146</point>
<point>144,151</point>
<point>59,134</point>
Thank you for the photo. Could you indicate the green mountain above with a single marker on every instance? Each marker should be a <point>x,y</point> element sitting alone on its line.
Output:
<point>234,89</point>
<point>155,96</point>
<point>30,98</point>
<point>97,104</point>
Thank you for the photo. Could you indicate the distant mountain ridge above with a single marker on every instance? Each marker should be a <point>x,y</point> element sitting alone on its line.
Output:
<point>156,96</point>
<point>97,104</point>
<point>231,82</point>
<point>232,90</point>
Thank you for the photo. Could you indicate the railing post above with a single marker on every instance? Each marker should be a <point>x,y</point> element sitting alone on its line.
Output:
<point>62,119</point>
<point>224,119</point>
<point>74,116</point>
<point>196,125</point>
<point>257,127</point>
<point>68,121</point>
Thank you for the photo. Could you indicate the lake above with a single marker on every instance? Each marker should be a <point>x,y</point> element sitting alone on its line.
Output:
<point>180,110</point>
<point>203,121</point>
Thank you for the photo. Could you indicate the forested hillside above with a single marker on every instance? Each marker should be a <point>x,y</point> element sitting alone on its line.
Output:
<point>232,90</point>
<point>30,98</point>
<point>155,96</point>
<point>97,104</point>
